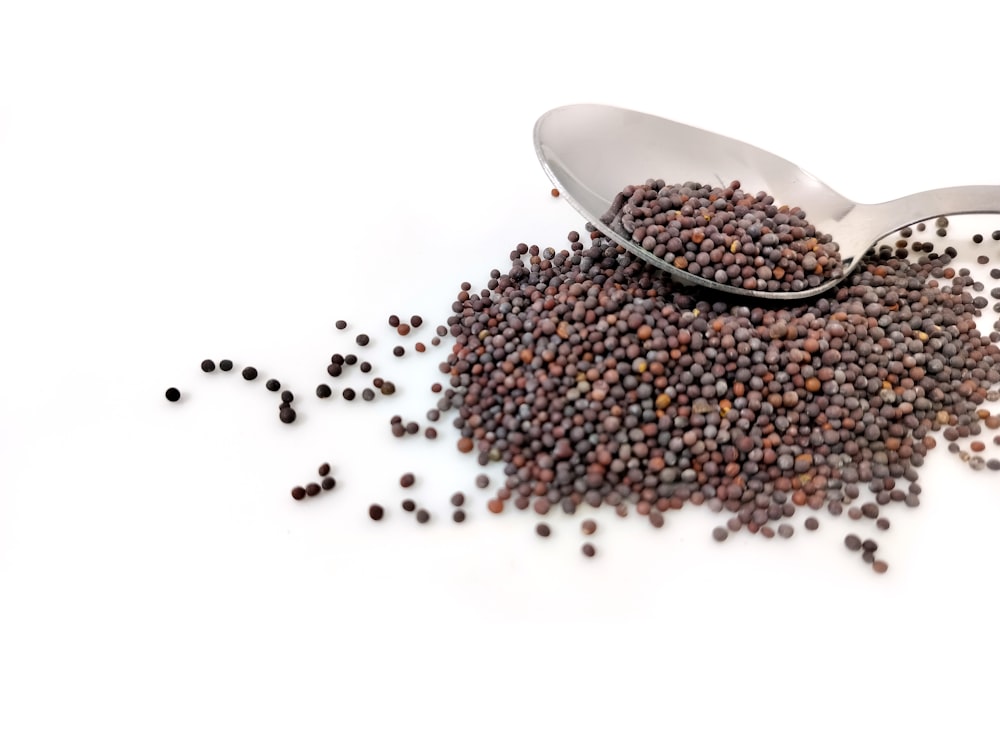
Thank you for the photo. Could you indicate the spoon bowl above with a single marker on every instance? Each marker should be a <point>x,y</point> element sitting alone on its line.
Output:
<point>592,151</point>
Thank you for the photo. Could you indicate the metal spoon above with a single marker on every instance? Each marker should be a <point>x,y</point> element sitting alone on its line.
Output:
<point>592,151</point>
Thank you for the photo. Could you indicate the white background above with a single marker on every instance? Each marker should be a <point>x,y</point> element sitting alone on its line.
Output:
<point>218,179</point>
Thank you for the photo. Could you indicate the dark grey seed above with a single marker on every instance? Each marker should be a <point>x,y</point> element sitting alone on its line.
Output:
<point>367,394</point>
<point>350,359</point>
<point>341,325</point>
<point>870,545</point>
<point>273,385</point>
<point>785,530</point>
<point>365,366</point>
<point>423,516</point>
<point>409,505</point>
<point>362,339</point>
<point>207,365</point>
<point>287,397</point>
<point>720,533</point>
<point>348,394</point>
<point>249,373</point>
<point>313,489</point>
<point>868,556</point>
<point>482,481</point>
<point>328,483</point>
<point>852,542</point>
<point>226,365</point>
<point>588,550</point>
<point>458,516</point>
<point>811,523</point>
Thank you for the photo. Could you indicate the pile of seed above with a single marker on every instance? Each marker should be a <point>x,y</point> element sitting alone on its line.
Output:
<point>596,380</point>
<point>726,235</point>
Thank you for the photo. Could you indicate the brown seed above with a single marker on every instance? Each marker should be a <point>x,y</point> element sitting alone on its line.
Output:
<point>588,550</point>
<point>324,469</point>
<point>403,329</point>
<point>588,527</point>
<point>495,506</point>
<point>811,523</point>
<point>852,542</point>
<point>880,566</point>
<point>458,516</point>
<point>298,492</point>
<point>376,511</point>
<point>313,489</point>
<point>554,192</point>
<point>423,516</point>
<point>543,530</point>
<point>407,480</point>
<point>720,533</point>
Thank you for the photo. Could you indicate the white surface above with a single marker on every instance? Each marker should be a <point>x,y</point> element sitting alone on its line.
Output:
<point>220,179</point>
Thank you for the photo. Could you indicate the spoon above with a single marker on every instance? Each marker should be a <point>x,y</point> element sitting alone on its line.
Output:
<point>592,151</point>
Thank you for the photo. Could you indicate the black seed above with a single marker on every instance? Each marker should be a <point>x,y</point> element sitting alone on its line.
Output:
<point>351,359</point>
<point>341,325</point>
<point>977,238</point>
<point>173,394</point>
<point>207,365</point>
<point>287,397</point>
<point>398,351</point>
<point>249,373</point>
<point>328,483</point>
<point>362,339</point>
<point>226,365</point>
<point>543,530</point>
<point>323,391</point>
<point>409,505</point>
<point>334,371</point>
<point>348,394</point>
<point>287,415</point>
<point>272,385</point>
<point>375,512</point>
<point>298,492</point>
<point>336,359</point>
<point>365,367</point>
<point>312,489</point>
<point>416,321</point>
<point>394,320</point>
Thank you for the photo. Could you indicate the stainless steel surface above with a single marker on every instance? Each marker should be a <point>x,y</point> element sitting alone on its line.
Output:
<point>592,151</point>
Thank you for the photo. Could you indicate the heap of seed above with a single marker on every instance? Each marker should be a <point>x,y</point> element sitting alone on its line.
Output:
<point>595,379</point>
<point>726,235</point>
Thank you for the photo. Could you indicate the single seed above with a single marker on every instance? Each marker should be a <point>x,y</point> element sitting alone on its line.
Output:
<point>403,329</point>
<point>420,347</point>
<point>416,321</point>
<point>348,394</point>
<point>412,428</point>
<point>328,483</point>
<point>543,530</point>
<point>423,516</point>
<point>298,492</point>
<point>376,512</point>
<point>226,365</point>
<point>882,523</point>
<point>323,469</point>
<point>588,526</point>
<point>387,387</point>
<point>173,394</point>
<point>554,192</point>
<point>495,505</point>
<point>588,550</point>
<point>880,566</point>
<point>287,397</point>
<point>394,320</point>
<point>287,415</point>
<point>482,481</point>
<point>458,516</point>
<point>398,351</point>
<point>323,391</point>
<point>341,325</point>
<point>720,533</point>
<point>312,489</point>
<point>367,394</point>
<point>409,505</point>
<point>458,499</point>
<point>407,480</point>
<point>362,339</point>
<point>351,359</point>
<point>272,385</point>
<point>365,367</point>
<point>249,373</point>
<point>852,542</point>
<point>811,523</point>
<point>207,365</point>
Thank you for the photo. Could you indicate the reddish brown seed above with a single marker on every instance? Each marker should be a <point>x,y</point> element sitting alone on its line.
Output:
<point>324,469</point>
<point>588,550</point>
<point>403,329</point>
<point>420,347</point>
<point>554,192</point>
<point>376,511</point>
<point>409,505</point>
<point>977,446</point>
<point>298,492</point>
<point>880,566</point>
<point>588,527</point>
<point>312,489</point>
<point>465,445</point>
<point>495,506</point>
<point>407,480</point>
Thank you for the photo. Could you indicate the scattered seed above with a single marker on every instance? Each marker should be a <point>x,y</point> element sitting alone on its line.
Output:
<point>207,365</point>
<point>543,530</point>
<point>272,385</point>
<point>458,516</point>
<point>588,526</point>
<point>811,523</point>
<point>172,394</point>
<point>249,373</point>
<point>323,391</point>
<point>362,339</point>
<point>423,516</point>
<point>376,512</point>
<point>720,533</point>
<point>482,481</point>
<point>298,492</point>
<point>407,480</point>
<point>328,483</point>
<point>588,550</point>
<point>312,489</point>
<point>409,505</point>
<point>341,325</point>
<point>226,365</point>
<point>348,394</point>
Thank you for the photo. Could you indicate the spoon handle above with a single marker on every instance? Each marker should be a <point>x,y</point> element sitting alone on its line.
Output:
<point>949,201</point>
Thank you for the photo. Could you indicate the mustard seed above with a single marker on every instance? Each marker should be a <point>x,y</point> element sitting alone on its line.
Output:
<point>172,394</point>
